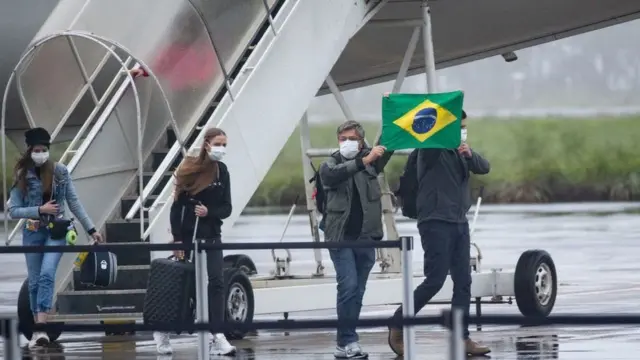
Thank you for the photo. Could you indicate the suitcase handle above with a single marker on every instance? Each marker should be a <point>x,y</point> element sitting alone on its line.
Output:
<point>193,241</point>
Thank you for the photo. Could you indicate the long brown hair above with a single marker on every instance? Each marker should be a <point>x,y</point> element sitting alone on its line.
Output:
<point>20,173</point>
<point>197,172</point>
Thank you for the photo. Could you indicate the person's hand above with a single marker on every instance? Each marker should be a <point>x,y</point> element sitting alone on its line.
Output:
<point>179,254</point>
<point>49,208</point>
<point>201,210</point>
<point>465,150</point>
<point>136,72</point>
<point>97,237</point>
<point>374,155</point>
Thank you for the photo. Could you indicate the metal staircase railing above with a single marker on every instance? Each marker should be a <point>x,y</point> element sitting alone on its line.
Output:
<point>226,98</point>
<point>74,148</point>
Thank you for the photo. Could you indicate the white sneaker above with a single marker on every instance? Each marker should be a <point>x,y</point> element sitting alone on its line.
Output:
<point>220,346</point>
<point>38,339</point>
<point>32,342</point>
<point>351,351</point>
<point>163,345</point>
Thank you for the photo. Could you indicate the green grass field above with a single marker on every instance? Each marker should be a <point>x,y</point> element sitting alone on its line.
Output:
<point>532,160</point>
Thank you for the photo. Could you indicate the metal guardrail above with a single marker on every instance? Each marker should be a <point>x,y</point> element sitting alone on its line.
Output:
<point>405,243</point>
<point>22,249</point>
<point>452,320</point>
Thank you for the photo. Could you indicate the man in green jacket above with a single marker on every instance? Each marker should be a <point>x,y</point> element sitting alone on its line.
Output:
<point>353,213</point>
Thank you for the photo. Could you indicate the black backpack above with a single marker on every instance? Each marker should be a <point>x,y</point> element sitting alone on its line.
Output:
<point>319,194</point>
<point>408,187</point>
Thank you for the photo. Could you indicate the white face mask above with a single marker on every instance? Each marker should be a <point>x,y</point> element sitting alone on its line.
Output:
<point>463,135</point>
<point>40,158</point>
<point>216,153</point>
<point>349,148</point>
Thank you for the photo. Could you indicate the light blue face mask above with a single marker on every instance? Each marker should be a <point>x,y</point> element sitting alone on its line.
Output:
<point>40,158</point>
<point>463,135</point>
<point>349,148</point>
<point>216,153</point>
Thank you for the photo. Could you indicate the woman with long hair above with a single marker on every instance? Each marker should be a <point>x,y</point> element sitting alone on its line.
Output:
<point>40,188</point>
<point>203,190</point>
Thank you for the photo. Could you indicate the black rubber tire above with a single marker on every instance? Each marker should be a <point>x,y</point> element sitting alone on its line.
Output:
<point>525,283</point>
<point>25,317</point>
<point>242,262</point>
<point>237,280</point>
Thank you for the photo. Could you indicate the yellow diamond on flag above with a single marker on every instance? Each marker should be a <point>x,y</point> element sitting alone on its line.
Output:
<point>425,120</point>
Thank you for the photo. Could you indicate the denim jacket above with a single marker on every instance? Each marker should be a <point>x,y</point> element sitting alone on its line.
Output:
<point>26,205</point>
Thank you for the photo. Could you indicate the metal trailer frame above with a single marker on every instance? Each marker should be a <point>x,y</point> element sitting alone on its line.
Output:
<point>384,286</point>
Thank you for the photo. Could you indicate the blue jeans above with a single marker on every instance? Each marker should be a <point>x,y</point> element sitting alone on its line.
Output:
<point>41,269</point>
<point>446,251</point>
<point>352,271</point>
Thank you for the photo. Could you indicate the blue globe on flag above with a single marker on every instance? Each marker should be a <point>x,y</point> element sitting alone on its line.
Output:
<point>424,120</point>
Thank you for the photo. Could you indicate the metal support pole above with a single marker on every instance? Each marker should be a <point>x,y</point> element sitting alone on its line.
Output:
<point>11,337</point>
<point>202,301</point>
<point>429,58</point>
<point>339,98</point>
<point>407,296</point>
<point>406,60</point>
<point>456,348</point>
<point>307,173</point>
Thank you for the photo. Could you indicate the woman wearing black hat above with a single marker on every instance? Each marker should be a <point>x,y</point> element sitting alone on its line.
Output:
<point>40,188</point>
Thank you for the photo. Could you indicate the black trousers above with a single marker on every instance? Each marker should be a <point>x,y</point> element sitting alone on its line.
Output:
<point>215,289</point>
<point>446,250</point>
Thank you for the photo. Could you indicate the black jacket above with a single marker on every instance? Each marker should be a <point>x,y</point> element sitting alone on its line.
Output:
<point>443,187</point>
<point>216,197</point>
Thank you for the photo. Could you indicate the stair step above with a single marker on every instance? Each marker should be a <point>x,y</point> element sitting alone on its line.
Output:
<point>127,203</point>
<point>130,277</point>
<point>146,177</point>
<point>171,135</point>
<point>94,318</point>
<point>159,155</point>
<point>124,231</point>
<point>127,257</point>
<point>101,301</point>
<point>102,292</point>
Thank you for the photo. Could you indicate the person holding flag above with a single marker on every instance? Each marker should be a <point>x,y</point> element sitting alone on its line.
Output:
<point>353,213</point>
<point>435,125</point>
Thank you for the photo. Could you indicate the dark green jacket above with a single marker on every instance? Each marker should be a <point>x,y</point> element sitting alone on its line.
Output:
<point>336,174</point>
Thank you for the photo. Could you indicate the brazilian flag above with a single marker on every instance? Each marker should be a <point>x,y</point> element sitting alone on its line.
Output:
<point>419,121</point>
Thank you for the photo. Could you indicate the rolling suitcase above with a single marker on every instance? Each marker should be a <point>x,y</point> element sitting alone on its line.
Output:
<point>170,296</point>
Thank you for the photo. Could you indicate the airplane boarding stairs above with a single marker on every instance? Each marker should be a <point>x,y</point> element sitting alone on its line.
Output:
<point>268,92</point>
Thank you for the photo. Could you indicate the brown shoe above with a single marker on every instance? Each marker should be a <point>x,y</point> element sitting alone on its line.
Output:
<point>474,349</point>
<point>396,341</point>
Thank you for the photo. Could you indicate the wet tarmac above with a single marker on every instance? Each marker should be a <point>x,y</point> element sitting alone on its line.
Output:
<point>595,248</point>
